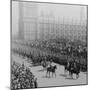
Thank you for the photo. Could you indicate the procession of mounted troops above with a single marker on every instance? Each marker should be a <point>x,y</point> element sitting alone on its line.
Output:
<point>73,58</point>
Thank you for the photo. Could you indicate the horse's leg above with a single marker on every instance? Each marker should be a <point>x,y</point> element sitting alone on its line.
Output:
<point>69,73</point>
<point>52,74</point>
<point>43,68</point>
<point>77,75</point>
<point>55,75</point>
<point>64,71</point>
<point>49,74</point>
<point>46,73</point>
<point>72,75</point>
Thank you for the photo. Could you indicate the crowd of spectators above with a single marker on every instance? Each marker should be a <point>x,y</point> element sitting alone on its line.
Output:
<point>22,77</point>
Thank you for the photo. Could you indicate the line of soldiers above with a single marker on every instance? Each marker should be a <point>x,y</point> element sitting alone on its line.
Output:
<point>37,57</point>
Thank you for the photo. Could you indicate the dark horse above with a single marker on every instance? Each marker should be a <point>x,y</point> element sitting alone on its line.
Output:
<point>51,69</point>
<point>73,68</point>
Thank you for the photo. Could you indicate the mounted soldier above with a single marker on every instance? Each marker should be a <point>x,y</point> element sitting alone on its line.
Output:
<point>74,67</point>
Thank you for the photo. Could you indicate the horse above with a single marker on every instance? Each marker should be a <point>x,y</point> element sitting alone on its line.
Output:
<point>73,68</point>
<point>51,69</point>
<point>44,65</point>
<point>66,67</point>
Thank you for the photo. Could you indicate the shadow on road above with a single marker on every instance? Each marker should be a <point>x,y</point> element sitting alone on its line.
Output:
<point>41,70</point>
<point>46,77</point>
<point>63,75</point>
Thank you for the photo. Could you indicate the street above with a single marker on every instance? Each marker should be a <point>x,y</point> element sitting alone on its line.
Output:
<point>61,79</point>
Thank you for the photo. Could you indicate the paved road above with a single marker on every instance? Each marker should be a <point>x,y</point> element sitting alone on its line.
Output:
<point>43,81</point>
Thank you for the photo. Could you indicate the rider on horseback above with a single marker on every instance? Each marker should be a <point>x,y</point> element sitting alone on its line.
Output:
<point>74,67</point>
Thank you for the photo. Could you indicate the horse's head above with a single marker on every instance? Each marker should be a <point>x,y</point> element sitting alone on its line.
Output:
<point>55,67</point>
